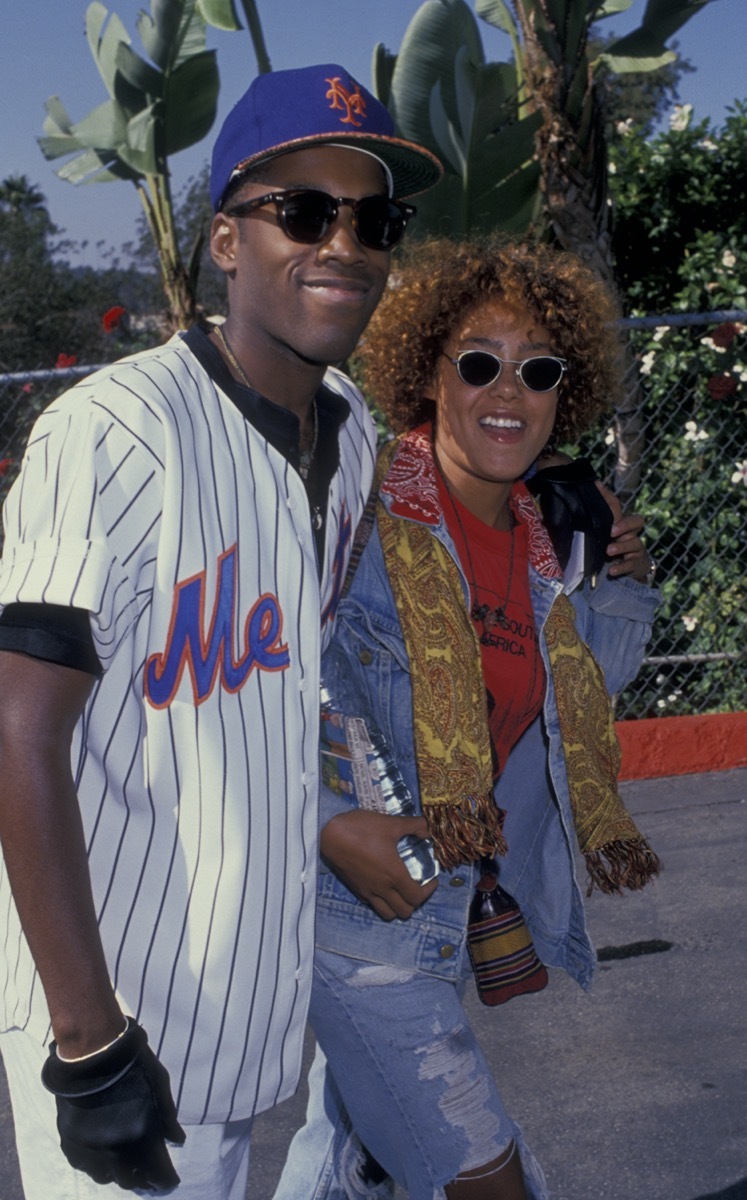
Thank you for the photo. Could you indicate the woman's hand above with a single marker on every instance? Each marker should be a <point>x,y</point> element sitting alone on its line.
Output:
<point>361,848</point>
<point>626,550</point>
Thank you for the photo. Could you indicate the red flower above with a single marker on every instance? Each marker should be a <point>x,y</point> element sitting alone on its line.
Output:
<point>65,360</point>
<point>5,465</point>
<point>113,318</point>
<point>720,386</point>
<point>27,389</point>
<point>723,335</point>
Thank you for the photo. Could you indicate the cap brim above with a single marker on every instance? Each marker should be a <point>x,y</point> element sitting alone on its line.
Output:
<point>414,169</point>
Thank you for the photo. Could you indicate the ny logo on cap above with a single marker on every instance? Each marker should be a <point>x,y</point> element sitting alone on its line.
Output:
<point>353,102</point>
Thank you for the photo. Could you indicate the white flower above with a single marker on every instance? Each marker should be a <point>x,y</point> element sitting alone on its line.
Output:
<point>623,128</point>
<point>609,437</point>
<point>612,168</point>
<point>647,362</point>
<point>709,342</point>
<point>660,332</point>
<point>693,434</point>
<point>740,475</point>
<point>729,258</point>
<point>689,622</point>
<point>661,704</point>
<point>680,117</point>
<point>707,144</point>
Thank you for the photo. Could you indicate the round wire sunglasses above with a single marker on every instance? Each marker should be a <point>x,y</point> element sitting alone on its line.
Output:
<point>478,368</point>
<point>307,215</point>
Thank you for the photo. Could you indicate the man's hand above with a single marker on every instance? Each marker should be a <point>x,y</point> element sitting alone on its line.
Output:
<point>361,848</point>
<point>114,1113</point>
<point>626,550</point>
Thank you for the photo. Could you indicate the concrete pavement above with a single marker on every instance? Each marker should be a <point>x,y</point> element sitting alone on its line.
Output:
<point>638,1089</point>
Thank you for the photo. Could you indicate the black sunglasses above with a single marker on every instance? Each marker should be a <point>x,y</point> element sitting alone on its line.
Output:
<point>306,215</point>
<point>478,368</point>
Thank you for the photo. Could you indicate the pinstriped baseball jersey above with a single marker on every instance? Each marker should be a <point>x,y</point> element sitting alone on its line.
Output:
<point>148,499</point>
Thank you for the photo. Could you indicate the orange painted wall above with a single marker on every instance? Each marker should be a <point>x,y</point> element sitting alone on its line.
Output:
<point>664,746</point>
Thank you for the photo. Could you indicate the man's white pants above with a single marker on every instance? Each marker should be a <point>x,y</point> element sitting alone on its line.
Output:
<point>213,1164</point>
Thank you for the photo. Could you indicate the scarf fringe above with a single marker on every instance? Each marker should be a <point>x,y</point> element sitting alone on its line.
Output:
<point>466,831</point>
<point>630,864</point>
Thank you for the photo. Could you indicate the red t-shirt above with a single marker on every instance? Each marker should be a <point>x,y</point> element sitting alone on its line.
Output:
<point>511,663</point>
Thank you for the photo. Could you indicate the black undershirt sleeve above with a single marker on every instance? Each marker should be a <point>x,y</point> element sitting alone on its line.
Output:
<point>51,632</point>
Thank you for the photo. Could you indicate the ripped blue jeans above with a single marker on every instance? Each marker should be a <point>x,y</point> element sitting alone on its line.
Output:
<point>405,1070</point>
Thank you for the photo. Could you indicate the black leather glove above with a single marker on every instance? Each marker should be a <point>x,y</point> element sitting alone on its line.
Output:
<point>114,1111</point>
<point>570,500</point>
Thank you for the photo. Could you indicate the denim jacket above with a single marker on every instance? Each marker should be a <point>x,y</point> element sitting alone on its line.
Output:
<point>367,670</point>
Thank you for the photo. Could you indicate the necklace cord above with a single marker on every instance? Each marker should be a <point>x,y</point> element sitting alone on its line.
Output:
<point>305,457</point>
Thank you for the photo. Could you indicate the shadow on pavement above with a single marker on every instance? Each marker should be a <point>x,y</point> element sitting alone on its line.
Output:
<point>737,1191</point>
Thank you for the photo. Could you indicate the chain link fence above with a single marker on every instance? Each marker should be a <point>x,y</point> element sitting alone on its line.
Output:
<point>676,450</point>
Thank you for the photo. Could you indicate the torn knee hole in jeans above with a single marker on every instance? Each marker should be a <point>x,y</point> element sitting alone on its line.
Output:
<point>465,1100</point>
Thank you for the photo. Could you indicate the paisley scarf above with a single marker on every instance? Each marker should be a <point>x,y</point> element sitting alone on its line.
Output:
<point>452,742</point>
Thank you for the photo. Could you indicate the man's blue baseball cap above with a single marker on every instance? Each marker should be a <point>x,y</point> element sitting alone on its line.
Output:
<point>312,106</point>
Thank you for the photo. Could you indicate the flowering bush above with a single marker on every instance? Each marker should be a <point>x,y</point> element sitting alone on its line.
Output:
<point>113,318</point>
<point>681,246</point>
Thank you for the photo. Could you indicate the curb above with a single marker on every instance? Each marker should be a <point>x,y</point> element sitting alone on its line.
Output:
<point>664,746</point>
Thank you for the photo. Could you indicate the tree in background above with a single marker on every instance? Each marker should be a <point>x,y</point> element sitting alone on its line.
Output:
<point>46,309</point>
<point>158,105</point>
<point>523,141</point>
<point>193,211</point>
<point>680,242</point>
<point>51,314</point>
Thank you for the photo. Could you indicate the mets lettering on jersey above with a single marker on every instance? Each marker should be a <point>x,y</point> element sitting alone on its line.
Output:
<point>208,657</point>
<point>147,499</point>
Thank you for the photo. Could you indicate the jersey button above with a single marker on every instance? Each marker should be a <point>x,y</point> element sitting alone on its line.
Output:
<point>366,657</point>
<point>447,951</point>
<point>456,882</point>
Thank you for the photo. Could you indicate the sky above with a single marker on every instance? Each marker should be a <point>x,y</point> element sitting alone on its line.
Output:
<point>44,52</point>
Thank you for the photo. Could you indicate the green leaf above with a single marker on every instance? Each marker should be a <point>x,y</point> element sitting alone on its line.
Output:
<point>105,33</point>
<point>512,205</point>
<point>161,32</point>
<point>103,128</point>
<point>221,14</point>
<point>139,150</point>
<point>664,17</point>
<point>383,63</point>
<point>91,167</point>
<point>507,151</point>
<point>57,121</point>
<point>96,15</point>
<point>497,101</point>
<point>611,8</point>
<point>138,73</point>
<point>625,65</point>
<point>497,13</point>
<point>637,51</point>
<point>465,81</point>
<point>192,33</point>
<point>448,144</point>
<point>191,101</point>
<point>426,59</point>
<point>55,147</point>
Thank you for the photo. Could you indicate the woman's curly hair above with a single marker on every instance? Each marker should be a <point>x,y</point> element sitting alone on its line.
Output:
<point>440,282</point>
